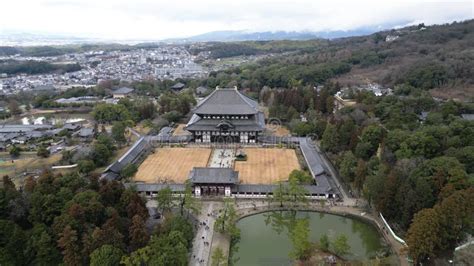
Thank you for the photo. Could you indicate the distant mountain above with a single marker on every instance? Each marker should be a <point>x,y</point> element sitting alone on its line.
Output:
<point>231,36</point>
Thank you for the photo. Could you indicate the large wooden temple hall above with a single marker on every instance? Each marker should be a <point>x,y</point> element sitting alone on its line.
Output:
<point>226,115</point>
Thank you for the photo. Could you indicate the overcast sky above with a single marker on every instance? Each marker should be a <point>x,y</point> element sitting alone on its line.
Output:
<point>156,19</point>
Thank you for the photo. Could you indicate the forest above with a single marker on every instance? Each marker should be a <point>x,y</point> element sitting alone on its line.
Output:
<point>418,171</point>
<point>425,57</point>
<point>415,170</point>
<point>12,67</point>
<point>406,166</point>
<point>74,219</point>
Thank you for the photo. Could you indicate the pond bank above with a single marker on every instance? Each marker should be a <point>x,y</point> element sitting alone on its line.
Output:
<point>248,208</point>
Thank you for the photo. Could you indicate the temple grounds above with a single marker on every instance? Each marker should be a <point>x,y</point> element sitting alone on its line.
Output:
<point>172,165</point>
<point>266,165</point>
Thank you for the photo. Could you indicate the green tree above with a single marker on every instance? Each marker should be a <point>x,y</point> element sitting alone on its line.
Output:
<point>101,154</point>
<point>330,139</point>
<point>218,258</point>
<point>348,166</point>
<point>12,238</point>
<point>225,223</point>
<point>138,257</point>
<point>173,248</point>
<point>296,192</point>
<point>165,199</point>
<point>15,151</point>
<point>46,253</point>
<point>85,166</point>
<point>324,242</point>
<point>280,194</point>
<point>105,140</point>
<point>301,176</point>
<point>42,152</point>
<point>106,255</point>
<point>360,174</point>
<point>299,235</point>
<point>129,170</point>
<point>340,245</point>
<point>188,201</point>
<point>107,113</point>
<point>364,150</point>
<point>118,132</point>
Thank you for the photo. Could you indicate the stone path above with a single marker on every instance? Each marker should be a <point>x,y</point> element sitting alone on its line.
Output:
<point>203,239</point>
<point>222,158</point>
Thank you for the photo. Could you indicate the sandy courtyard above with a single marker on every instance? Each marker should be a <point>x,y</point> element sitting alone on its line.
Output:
<point>179,131</point>
<point>266,165</point>
<point>171,165</point>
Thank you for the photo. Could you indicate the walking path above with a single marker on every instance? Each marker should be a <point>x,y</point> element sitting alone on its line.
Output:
<point>204,234</point>
<point>223,158</point>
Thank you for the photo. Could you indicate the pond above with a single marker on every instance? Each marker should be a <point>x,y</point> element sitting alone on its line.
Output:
<point>260,244</point>
<point>53,119</point>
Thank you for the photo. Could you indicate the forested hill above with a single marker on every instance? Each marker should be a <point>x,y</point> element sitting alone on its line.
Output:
<point>439,58</point>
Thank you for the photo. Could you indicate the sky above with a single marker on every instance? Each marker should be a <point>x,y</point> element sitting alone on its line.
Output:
<point>157,19</point>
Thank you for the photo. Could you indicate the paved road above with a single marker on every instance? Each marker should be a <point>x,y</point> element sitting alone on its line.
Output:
<point>134,132</point>
<point>204,233</point>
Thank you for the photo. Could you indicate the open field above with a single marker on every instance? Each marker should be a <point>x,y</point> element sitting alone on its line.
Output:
<point>266,165</point>
<point>28,163</point>
<point>171,165</point>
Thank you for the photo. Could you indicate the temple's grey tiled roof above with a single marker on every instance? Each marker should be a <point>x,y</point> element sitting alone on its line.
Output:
<point>165,131</point>
<point>144,187</point>
<point>240,188</point>
<point>248,188</point>
<point>227,102</point>
<point>123,90</point>
<point>255,124</point>
<point>130,156</point>
<point>178,86</point>
<point>22,128</point>
<point>211,175</point>
<point>313,159</point>
<point>86,132</point>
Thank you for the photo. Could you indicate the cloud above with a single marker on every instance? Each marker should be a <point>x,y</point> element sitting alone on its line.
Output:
<point>151,19</point>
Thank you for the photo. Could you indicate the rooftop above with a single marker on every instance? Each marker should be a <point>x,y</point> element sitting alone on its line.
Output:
<point>178,86</point>
<point>123,90</point>
<point>22,128</point>
<point>227,101</point>
<point>256,123</point>
<point>214,175</point>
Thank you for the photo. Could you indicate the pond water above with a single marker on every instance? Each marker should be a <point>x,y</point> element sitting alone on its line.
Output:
<point>260,244</point>
<point>53,119</point>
